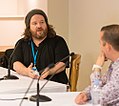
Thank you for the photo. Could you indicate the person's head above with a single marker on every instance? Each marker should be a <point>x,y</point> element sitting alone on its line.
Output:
<point>37,25</point>
<point>109,39</point>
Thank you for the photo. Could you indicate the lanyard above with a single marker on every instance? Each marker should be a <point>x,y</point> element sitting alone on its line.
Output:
<point>33,53</point>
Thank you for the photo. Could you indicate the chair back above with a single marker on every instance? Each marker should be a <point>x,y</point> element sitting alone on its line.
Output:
<point>8,52</point>
<point>74,71</point>
<point>4,59</point>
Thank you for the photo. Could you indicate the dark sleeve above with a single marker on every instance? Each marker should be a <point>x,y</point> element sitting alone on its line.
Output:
<point>61,50</point>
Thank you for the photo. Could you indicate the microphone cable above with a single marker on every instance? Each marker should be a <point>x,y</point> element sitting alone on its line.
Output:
<point>26,92</point>
<point>51,77</point>
<point>24,97</point>
<point>49,66</point>
<point>42,98</point>
<point>11,99</point>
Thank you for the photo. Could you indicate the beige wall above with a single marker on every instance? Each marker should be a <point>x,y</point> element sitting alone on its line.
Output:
<point>12,14</point>
<point>58,16</point>
<point>24,6</point>
<point>86,17</point>
<point>79,22</point>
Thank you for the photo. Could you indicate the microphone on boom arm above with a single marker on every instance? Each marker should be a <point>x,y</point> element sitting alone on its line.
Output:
<point>9,76</point>
<point>41,98</point>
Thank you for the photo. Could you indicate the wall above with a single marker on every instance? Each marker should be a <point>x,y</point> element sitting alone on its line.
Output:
<point>86,17</point>
<point>12,13</point>
<point>24,6</point>
<point>9,23</point>
<point>12,19</point>
<point>78,22</point>
<point>58,16</point>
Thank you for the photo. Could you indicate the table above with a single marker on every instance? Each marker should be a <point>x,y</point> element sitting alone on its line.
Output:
<point>22,84</point>
<point>58,99</point>
<point>12,89</point>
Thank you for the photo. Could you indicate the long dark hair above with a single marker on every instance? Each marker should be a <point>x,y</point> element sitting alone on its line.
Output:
<point>27,34</point>
<point>51,32</point>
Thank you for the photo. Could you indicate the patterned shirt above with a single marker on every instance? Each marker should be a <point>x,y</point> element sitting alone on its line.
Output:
<point>109,83</point>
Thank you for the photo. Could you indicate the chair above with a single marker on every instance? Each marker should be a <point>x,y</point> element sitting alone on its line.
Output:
<point>4,59</point>
<point>8,52</point>
<point>74,71</point>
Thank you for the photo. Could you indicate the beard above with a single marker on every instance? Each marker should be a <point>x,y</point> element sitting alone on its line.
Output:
<point>39,34</point>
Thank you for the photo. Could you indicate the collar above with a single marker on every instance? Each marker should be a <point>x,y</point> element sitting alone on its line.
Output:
<point>115,63</point>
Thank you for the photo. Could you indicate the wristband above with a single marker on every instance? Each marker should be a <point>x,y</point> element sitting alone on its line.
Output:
<point>96,66</point>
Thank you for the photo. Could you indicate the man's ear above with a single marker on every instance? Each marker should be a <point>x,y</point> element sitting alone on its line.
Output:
<point>108,47</point>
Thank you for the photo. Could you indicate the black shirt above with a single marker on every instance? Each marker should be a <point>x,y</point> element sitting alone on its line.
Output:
<point>50,50</point>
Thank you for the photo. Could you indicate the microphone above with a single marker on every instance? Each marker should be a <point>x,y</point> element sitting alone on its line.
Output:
<point>49,66</point>
<point>9,76</point>
<point>41,98</point>
<point>71,54</point>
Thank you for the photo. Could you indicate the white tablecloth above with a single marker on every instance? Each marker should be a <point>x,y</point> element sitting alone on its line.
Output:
<point>58,99</point>
<point>13,89</point>
<point>22,84</point>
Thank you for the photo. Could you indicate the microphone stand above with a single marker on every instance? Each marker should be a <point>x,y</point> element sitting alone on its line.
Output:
<point>49,66</point>
<point>9,76</point>
<point>42,98</point>
<point>39,98</point>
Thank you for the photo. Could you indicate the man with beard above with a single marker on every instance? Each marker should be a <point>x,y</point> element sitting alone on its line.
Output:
<point>39,48</point>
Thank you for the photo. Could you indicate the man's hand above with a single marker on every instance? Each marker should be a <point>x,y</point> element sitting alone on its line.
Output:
<point>45,73</point>
<point>81,98</point>
<point>31,73</point>
<point>101,59</point>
